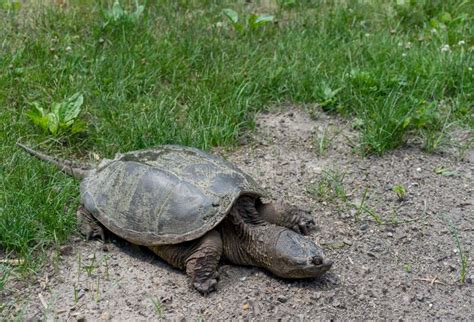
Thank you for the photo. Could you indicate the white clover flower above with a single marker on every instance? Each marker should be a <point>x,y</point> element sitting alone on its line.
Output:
<point>433,31</point>
<point>445,48</point>
<point>470,69</point>
<point>68,48</point>
<point>461,43</point>
<point>408,45</point>
<point>404,54</point>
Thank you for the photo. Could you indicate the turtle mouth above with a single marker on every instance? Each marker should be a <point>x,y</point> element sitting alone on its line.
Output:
<point>325,266</point>
<point>311,270</point>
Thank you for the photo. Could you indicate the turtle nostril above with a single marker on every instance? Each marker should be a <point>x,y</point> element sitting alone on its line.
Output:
<point>317,260</point>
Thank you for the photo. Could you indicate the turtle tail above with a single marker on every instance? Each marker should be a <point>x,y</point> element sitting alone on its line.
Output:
<point>75,169</point>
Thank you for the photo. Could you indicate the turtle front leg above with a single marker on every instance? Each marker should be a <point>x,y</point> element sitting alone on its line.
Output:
<point>200,259</point>
<point>283,214</point>
<point>88,225</point>
<point>202,263</point>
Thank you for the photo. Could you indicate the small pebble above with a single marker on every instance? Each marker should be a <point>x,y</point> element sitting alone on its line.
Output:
<point>282,298</point>
<point>363,226</point>
<point>371,254</point>
<point>65,250</point>
<point>470,279</point>
<point>418,169</point>
<point>105,316</point>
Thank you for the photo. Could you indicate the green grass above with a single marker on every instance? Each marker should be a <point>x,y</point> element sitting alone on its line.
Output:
<point>330,187</point>
<point>180,73</point>
<point>463,255</point>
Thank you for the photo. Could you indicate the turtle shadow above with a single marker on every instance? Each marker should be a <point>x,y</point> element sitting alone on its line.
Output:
<point>139,252</point>
<point>232,274</point>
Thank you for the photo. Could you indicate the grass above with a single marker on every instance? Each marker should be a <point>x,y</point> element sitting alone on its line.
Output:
<point>179,72</point>
<point>330,187</point>
<point>463,255</point>
<point>157,306</point>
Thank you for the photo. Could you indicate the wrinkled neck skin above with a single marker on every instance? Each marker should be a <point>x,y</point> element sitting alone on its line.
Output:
<point>248,240</point>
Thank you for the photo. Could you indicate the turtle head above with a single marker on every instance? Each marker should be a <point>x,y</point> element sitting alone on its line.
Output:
<point>298,257</point>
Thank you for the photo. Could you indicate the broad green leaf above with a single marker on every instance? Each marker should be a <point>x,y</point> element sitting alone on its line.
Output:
<point>53,122</point>
<point>79,126</point>
<point>38,120</point>
<point>36,109</point>
<point>56,109</point>
<point>263,19</point>
<point>231,14</point>
<point>38,116</point>
<point>71,108</point>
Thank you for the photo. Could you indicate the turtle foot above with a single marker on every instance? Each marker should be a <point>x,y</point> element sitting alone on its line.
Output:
<point>304,224</point>
<point>207,286</point>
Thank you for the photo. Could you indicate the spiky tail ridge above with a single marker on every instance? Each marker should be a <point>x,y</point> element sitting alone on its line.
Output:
<point>76,169</point>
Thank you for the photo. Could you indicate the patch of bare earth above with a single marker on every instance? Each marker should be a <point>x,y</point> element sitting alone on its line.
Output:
<point>406,266</point>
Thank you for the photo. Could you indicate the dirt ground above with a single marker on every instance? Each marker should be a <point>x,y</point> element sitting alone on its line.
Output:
<point>405,266</point>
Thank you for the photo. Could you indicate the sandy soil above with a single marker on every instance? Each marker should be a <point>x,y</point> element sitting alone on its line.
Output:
<point>406,266</point>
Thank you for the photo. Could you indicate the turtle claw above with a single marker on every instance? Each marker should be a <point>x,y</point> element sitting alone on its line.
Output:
<point>303,222</point>
<point>206,287</point>
<point>304,225</point>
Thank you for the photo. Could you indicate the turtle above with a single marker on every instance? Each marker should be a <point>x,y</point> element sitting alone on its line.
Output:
<point>192,209</point>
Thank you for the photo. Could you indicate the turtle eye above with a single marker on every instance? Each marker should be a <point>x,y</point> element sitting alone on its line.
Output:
<point>317,260</point>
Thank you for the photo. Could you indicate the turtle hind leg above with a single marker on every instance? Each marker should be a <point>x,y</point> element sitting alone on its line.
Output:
<point>282,214</point>
<point>88,225</point>
<point>198,257</point>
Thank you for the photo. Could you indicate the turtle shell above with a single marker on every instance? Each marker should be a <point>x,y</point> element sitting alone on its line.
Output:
<point>166,195</point>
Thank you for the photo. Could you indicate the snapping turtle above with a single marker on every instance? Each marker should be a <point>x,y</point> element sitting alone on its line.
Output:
<point>192,208</point>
